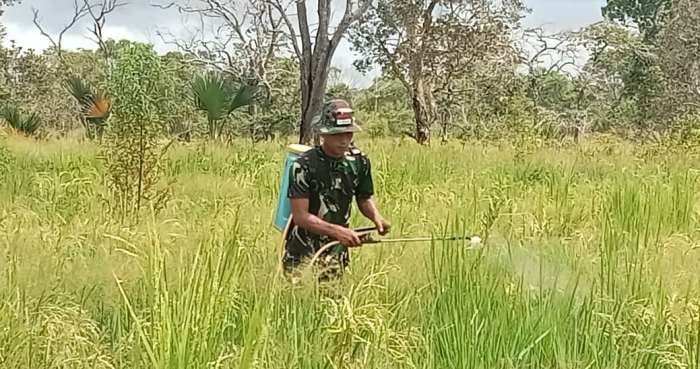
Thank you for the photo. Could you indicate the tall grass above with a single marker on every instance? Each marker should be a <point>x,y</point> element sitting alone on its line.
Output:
<point>590,261</point>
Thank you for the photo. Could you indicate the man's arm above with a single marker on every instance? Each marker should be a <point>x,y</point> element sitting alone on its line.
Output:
<point>311,222</point>
<point>368,208</point>
<point>365,198</point>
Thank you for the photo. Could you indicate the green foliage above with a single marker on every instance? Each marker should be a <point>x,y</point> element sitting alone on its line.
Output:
<point>589,263</point>
<point>464,72</point>
<point>218,97</point>
<point>278,112</point>
<point>80,91</point>
<point>142,91</point>
<point>211,95</point>
<point>623,78</point>
<point>93,105</point>
<point>554,90</point>
<point>20,121</point>
<point>384,108</point>
<point>644,13</point>
<point>340,91</point>
<point>684,131</point>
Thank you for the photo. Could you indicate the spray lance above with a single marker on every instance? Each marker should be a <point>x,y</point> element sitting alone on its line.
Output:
<point>366,238</point>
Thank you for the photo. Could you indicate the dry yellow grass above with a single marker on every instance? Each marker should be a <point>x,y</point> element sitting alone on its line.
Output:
<point>590,261</point>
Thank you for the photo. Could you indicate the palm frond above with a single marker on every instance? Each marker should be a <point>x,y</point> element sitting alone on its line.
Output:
<point>12,116</point>
<point>27,124</point>
<point>209,95</point>
<point>246,95</point>
<point>80,90</point>
<point>98,106</point>
<point>93,103</point>
<point>31,123</point>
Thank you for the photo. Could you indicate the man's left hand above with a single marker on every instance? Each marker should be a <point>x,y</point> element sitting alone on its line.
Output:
<point>382,226</point>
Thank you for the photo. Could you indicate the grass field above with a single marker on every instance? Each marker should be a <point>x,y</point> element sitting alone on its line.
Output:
<point>590,260</point>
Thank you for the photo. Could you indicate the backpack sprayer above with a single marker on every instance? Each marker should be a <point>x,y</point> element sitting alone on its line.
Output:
<point>283,216</point>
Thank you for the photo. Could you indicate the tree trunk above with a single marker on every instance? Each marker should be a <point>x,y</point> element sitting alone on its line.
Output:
<point>423,111</point>
<point>315,61</point>
<point>535,96</point>
<point>314,78</point>
<point>309,108</point>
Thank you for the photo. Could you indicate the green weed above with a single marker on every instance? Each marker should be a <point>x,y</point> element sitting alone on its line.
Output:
<point>589,261</point>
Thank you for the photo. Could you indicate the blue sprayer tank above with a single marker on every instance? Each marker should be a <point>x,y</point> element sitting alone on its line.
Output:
<point>283,210</point>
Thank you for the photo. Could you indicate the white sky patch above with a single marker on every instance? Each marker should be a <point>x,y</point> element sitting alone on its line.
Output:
<point>33,39</point>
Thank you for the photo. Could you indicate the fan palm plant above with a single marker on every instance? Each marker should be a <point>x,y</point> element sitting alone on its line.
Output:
<point>28,124</point>
<point>218,98</point>
<point>95,108</point>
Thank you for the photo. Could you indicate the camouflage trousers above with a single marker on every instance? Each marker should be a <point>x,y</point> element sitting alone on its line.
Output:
<point>330,265</point>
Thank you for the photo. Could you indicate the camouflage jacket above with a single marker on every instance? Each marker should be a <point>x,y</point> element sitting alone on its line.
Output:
<point>330,185</point>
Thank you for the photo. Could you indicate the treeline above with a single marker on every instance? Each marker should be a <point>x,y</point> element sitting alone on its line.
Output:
<point>463,76</point>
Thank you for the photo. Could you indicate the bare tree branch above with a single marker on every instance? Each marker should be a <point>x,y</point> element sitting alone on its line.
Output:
<point>246,36</point>
<point>80,10</point>
<point>99,19</point>
<point>282,11</point>
<point>315,57</point>
<point>547,44</point>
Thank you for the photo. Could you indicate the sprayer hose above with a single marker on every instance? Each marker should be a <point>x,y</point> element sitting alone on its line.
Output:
<point>316,255</point>
<point>284,238</point>
<point>321,251</point>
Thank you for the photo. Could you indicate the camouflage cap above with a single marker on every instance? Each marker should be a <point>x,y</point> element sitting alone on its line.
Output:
<point>336,117</point>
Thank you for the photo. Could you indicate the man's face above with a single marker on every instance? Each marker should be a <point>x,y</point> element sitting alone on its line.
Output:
<point>337,144</point>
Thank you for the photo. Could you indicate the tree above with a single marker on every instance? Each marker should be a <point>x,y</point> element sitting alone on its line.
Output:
<point>315,57</point>
<point>143,92</point>
<point>29,80</point>
<point>679,50</point>
<point>644,13</point>
<point>278,112</point>
<point>608,76</point>
<point>245,40</point>
<point>87,96</point>
<point>384,107</point>
<point>218,97</point>
<point>538,76</point>
<point>645,80</point>
<point>427,44</point>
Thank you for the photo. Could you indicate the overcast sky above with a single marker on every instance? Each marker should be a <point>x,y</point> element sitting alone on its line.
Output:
<point>139,20</point>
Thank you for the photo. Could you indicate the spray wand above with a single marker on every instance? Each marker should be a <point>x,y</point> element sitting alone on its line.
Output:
<point>366,238</point>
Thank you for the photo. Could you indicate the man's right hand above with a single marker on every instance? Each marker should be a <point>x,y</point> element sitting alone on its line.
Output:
<point>348,237</point>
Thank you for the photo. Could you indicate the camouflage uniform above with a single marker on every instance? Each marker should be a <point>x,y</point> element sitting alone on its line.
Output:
<point>329,184</point>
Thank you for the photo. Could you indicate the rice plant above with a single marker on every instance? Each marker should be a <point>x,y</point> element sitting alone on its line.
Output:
<point>590,262</point>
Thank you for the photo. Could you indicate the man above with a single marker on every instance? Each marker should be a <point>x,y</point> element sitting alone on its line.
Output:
<point>322,184</point>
